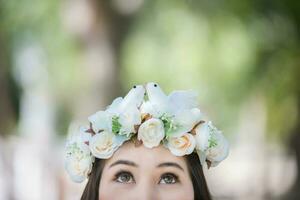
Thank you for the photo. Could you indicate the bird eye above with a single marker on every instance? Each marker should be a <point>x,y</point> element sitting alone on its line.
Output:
<point>124,177</point>
<point>155,85</point>
<point>168,178</point>
<point>134,86</point>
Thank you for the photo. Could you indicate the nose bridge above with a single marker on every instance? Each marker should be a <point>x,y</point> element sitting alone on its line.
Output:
<point>145,190</point>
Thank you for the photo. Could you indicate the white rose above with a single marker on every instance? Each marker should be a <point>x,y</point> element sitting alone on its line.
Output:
<point>79,160</point>
<point>148,107</point>
<point>120,122</point>
<point>128,119</point>
<point>211,144</point>
<point>151,132</point>
<point>104,144</point>
<point>219,152</point>
<point>202,136</point>
<point>79,169</point>
<point>183,145</point>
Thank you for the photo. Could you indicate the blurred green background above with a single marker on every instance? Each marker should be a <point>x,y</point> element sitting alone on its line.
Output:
<point>61,61</point>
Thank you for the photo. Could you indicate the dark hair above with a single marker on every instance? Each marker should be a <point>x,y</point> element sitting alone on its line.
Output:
<point>201,192</point>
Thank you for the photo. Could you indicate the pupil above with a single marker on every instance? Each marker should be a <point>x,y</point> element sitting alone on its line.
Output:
<point>168,179</point>
<point>155,85</point>
<point>134,86</point>
<point>125,178</point>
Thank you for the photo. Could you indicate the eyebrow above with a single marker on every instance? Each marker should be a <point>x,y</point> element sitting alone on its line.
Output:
<point>170,164</point>
<point>133,164</point>
<point>124,162</point>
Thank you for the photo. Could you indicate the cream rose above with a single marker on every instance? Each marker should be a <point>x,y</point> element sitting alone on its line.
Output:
<point>183,145</point>
<point>211,144</point>
<point>78,161</point>
<point>151,132</point>
<point>79,169</point>
<point>104,144</point>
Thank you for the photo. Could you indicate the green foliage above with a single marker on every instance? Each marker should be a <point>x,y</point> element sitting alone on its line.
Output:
<point>169,125</point>
<point>212,142</point>
<point>116,126</point>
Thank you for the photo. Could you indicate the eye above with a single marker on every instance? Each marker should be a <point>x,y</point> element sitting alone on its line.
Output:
<point>134,86</point>
<point>124,177</point>
<point>168,178</point>
<point>155,85</point>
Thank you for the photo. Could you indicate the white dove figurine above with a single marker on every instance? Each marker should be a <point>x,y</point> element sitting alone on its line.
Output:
<point>121,116</point>
<point>178,110</point>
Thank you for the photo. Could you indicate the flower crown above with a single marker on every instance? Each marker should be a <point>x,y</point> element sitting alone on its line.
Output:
<point>173,120</point>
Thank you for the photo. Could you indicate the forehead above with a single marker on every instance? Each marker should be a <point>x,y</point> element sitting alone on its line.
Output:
<point>142,155</point>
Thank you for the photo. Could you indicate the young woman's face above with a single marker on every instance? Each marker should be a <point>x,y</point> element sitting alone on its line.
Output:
<point>142,173</point>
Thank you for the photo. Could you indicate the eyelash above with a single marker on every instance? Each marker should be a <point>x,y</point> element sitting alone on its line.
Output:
<point>119,175</point>
<point>174,177</point>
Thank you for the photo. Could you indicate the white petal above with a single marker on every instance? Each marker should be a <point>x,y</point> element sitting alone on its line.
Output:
<point>155,110</point>
<point>181,146</point>
<point>202,137</point>
<point>120,139</point>
<point>186,119</point>
<point>151,132</point>
<point>102,145</point>
<point>221,151</point>
<point>85,137</point>
<point>78,169</point>
<point>128,119</point>
<point>101,120</point>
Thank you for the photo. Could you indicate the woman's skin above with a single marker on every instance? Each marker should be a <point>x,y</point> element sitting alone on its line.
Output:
<point>145,174</point>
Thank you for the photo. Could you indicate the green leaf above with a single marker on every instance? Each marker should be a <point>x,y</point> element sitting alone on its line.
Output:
<point>169,124</point>
<point>116,126</point>
<point>212,142</point>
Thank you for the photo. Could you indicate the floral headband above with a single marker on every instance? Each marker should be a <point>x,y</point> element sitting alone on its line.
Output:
<point>172,120</point>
